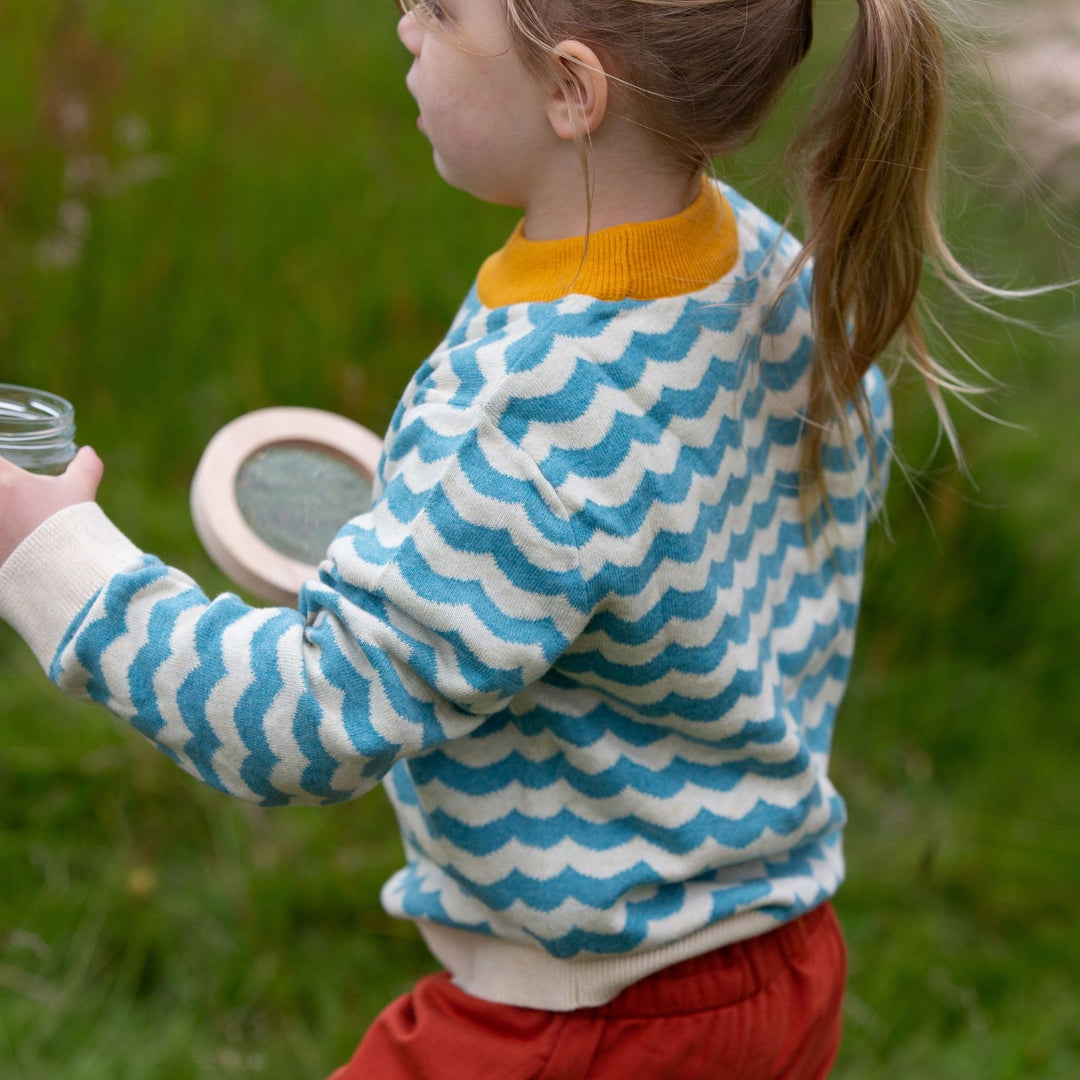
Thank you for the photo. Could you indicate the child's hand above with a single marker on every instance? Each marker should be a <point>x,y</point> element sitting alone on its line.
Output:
<point>26,499</point>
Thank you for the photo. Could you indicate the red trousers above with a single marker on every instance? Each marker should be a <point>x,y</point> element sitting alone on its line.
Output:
<point>763,1009</point>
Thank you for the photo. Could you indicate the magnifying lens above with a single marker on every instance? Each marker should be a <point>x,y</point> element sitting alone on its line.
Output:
<point>272,489</point>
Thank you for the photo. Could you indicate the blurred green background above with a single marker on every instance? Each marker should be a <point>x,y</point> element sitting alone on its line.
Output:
<point>210,206</point>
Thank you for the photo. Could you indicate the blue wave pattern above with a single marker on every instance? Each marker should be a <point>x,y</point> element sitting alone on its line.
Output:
<point>583,634</point>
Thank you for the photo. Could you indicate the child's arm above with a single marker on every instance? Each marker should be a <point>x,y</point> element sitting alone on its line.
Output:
<point>430,613</point>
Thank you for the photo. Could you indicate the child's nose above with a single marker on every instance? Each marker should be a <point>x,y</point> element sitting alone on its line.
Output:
<point>409,33</point>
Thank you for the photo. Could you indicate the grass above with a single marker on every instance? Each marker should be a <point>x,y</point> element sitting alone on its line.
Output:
<point>223,204</point>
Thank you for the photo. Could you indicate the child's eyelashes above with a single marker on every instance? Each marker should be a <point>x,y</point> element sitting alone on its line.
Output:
<point>425,10</point>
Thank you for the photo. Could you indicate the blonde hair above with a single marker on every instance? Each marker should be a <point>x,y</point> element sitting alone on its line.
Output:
<point>704,75</point>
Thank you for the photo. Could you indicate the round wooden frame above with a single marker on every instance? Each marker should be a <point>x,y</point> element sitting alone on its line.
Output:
<point>233,545</point>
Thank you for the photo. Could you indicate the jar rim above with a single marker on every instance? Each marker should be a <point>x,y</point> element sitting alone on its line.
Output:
<point>29,415</point>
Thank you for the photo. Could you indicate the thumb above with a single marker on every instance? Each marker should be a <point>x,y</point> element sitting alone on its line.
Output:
<point>83,475</point>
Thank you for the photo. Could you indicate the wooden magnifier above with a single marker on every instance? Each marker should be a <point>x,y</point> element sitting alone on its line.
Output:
<point>272,489</point>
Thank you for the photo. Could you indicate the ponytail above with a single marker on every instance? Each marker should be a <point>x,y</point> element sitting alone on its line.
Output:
<point>869,196</point>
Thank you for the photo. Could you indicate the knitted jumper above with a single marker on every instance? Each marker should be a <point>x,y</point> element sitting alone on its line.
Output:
<point>583,635</point>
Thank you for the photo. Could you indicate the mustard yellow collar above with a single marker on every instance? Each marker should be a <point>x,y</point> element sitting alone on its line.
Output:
<point>638,261</point>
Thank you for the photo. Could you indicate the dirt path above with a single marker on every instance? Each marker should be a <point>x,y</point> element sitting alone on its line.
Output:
<point>1039,71</point>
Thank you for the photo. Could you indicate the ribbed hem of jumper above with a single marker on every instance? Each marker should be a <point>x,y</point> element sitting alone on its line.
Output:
<point>512,973</point>
<point>642,260</point>
<point>74,552</point>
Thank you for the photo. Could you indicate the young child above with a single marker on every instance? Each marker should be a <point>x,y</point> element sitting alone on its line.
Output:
<point>594,631</point>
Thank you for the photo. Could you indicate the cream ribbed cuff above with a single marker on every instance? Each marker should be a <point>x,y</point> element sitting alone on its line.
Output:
<point>49,578</point>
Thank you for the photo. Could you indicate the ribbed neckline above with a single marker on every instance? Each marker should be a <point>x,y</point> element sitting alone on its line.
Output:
<point>639,261</point>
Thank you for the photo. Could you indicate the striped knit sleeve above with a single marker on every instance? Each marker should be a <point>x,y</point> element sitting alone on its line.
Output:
<point>459,588</point>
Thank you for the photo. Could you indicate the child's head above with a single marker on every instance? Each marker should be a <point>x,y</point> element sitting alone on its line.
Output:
<point>700,75</point>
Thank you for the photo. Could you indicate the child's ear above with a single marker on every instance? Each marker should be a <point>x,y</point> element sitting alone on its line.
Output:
<point>579,100</point>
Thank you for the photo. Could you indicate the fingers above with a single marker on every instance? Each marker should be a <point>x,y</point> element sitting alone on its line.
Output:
<point>84,470</point>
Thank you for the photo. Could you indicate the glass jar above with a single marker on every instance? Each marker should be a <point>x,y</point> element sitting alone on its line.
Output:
<point>37,429</point>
